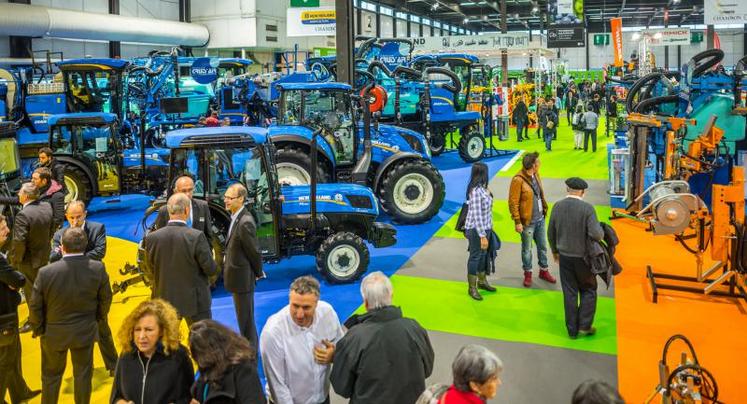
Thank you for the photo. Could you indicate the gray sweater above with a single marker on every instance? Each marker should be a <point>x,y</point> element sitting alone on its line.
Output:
<point>571,222</point>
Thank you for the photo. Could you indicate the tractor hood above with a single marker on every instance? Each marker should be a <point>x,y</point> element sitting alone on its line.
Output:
<point>397,139</point>
<point>331,198</point>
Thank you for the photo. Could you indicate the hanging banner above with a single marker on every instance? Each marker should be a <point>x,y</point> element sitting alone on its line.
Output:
<point>725,11</point>
<point>566,36</point>
<point>566,11</point>
<point>459,43</point>
<point>311,21</point>
<point>668,36</point>
<point>617,43</point>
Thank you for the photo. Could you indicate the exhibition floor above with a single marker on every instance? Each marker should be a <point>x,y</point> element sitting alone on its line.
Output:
<point>523,326</point>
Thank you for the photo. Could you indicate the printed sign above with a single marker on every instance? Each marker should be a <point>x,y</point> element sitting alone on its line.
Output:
<point>725,11</point>
<point>394,54</point>
<point>566,36</point>
<point>617,43</point>
<point>459,43</point>
<point>566,11</point>
<point>311,22</point>
<point>668,36</point>
<point>204,70</point>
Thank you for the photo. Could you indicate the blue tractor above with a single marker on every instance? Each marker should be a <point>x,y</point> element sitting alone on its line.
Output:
<point>408,186</point>
<point>331,221</point>
<point>10,163</point>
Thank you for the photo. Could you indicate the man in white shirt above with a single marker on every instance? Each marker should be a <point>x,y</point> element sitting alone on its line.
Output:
<point>298,345</point>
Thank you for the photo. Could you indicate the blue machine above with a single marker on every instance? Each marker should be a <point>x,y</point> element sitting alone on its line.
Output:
<point>397,160</point>
<point>331,221</point>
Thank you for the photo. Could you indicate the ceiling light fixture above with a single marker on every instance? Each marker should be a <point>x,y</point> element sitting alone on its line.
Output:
<point>435,6</point>
<point>466,20</point>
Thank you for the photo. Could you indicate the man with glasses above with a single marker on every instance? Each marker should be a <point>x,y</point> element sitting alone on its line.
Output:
<point>243,261</point>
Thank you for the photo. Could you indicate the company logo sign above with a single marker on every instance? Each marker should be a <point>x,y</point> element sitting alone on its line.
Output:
<point>204,70</point>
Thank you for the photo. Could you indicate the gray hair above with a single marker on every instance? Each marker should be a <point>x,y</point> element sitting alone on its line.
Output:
<point>241,191</point>
<point>376,290</point>
<point>305,285</point>
<point>178,204</point>
<point>30,190</point>
<point>474,363</point>
<point>75,204</point>
<point>432,394</point>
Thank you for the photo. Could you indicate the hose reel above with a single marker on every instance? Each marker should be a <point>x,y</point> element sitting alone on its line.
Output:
<point>671,206</point>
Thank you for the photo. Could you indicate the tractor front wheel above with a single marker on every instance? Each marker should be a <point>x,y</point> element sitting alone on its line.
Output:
<point>412,191</point>
<point>342,258</point>
<point>78,185</point>
<point>471,146</point>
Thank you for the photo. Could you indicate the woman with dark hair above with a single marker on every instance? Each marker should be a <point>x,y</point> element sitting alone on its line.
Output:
<point>227,366</point>
<point>153,367</point>
<point>478,229</point>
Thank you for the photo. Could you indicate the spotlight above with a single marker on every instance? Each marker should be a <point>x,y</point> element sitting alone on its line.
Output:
<point>485,17</point>
<point>535,9</point>
<point>675,2</point>
<point>434,7</point>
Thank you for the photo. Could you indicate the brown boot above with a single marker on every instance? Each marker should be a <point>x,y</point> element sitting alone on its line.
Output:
<point>482,282</point>
<point>473,293</point>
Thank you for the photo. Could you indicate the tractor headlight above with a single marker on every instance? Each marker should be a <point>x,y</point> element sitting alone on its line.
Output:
<point>414,142</point>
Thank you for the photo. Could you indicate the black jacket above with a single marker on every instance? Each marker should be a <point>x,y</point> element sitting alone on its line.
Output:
<point>54,195</point>
<point>96,248</point>
<point>240,385</point>
<point>179,263</point>
<point>10,282</point>
<point>384,358</point>
<point>32,232</point>
<point>520,112</point>
<point>68,299</point>
<point>58,172</point>
<point>201,219</point>
<point>243,263</point>
<point>167,380</point>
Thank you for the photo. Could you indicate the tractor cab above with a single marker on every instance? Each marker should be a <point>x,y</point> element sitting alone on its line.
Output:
<point>94,85</point>
<point>10,162</point>
<point>229,95</point>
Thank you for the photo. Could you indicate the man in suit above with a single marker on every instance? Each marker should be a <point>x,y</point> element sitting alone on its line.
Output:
<point>51,192</point>
<point>70,296</point>
<point>243,262</point>
<point>179,263</point>
<point>32,232</point>
<point>11,373</point>
<point>199,214</point>
<point>95,250</point>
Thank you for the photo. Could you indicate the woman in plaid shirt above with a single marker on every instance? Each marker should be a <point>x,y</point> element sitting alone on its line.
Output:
<point>478,228</point>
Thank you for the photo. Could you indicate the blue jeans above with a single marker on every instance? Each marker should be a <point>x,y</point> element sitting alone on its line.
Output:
<point>548,141</point>
<point>534,232</point>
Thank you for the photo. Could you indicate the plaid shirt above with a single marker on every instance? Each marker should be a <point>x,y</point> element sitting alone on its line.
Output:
<point>480,214</point>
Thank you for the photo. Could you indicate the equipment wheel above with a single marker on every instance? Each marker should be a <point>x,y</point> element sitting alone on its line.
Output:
<point>437,143</point>
<point>471,146</point>
<point>412,191</point>
<point>78,185</point>
<point>293,164</point>
<point>342,258</point>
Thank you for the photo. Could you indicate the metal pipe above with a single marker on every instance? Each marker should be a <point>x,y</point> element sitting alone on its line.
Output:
<point>38,21</point>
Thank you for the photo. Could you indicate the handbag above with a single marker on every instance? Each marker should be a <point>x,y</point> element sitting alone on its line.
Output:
<point>8,328</point>
<point>462,218</point>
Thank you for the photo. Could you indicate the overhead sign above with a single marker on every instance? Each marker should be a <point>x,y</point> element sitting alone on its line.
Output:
<point>204,70</point>
<point>617,43</point>
<point>566,11</point>
<point>461,43</point>
<point>668,36</point>
<point>394,54</point>
<point>304,3</point>
<point>725,11</point>
<point>559,36</point>
<point>311,21</point>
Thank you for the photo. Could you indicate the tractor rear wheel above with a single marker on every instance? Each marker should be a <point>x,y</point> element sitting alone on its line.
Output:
<point>412,191</point>
<point>78,185</point>
<point>293,164</point>
<point>471,146</point>
<point>342,258</point>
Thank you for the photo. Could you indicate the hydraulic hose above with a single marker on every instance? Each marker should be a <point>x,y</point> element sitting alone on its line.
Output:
<point>456,88</point>
<point>645,106</point>
<point>706,60</point>
<point>649,79</point>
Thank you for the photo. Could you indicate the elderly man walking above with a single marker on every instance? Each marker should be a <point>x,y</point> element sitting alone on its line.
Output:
<point>384,357</point>
<point>572,223</point>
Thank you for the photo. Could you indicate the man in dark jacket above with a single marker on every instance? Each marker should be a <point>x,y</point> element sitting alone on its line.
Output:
<point>179,263</point>
<point>69,298</point>
<point>199,214</point>
<point>32,232</point>
<point>520,117</point>
<point>572,222</point>
<point>243,263</point>
<point>51,192</point>
<point>46,159</point>
<point>11,372</point>
<point>95,250</point>
<point>384,357</point>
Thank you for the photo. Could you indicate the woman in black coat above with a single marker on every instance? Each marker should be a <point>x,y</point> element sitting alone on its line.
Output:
<point>227,366</point>
<point>154,368</point>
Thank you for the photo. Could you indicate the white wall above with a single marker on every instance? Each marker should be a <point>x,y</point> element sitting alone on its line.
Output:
<point>387,26</point>
<point>368,23</point>
<point>401,28</point>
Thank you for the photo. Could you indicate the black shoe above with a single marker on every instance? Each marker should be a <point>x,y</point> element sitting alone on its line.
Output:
<point>30,395</point>
<point>25,328</point>
<point>586,333</point>
<point>111,372</point>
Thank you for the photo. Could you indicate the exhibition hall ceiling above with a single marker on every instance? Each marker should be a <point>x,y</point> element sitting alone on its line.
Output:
<point>482,15</point>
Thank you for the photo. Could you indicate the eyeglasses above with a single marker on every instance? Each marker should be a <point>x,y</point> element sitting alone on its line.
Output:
<point>230,198</point>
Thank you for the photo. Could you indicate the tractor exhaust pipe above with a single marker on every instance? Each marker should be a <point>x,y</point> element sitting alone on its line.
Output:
<point>360,171</point>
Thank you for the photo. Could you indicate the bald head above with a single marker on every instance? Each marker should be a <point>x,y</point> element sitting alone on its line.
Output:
<point>184,185</point>
<point>178,207</point>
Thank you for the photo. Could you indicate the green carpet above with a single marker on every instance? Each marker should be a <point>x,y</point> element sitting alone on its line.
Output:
<point>512,314</point>
<point>504,225</point>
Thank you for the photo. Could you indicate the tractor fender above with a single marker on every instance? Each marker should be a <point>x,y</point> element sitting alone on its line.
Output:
<point>77,163</point>
<point>394,158</point>
<point>322,146</point>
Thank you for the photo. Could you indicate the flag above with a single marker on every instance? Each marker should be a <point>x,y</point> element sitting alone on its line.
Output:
<point>616,29</point>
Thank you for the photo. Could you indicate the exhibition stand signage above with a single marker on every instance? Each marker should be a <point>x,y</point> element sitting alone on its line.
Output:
<point>617,43</point>
<point>459,43</point>
<point>668,36</point>
<point>307,21</point>
<point>725,11</point>
<point>572,36</point>
<point>204,70</point>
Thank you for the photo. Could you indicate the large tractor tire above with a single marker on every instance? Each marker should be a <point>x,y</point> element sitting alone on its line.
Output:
<point>342,258</point>
<point>78,185</point>
<point>412,191</point>
<point>293,164</point>
<point>471,146</point>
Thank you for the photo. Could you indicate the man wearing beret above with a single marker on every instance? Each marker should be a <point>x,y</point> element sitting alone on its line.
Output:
<point>572,222</point>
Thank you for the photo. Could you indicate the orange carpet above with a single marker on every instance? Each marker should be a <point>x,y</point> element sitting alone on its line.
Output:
<point>716,326</point>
